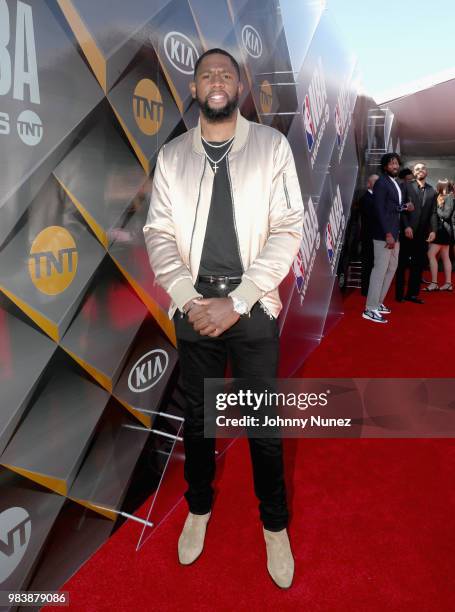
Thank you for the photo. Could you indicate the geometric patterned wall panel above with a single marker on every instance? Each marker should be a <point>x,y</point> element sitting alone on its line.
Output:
<point>102,177</point>
<point>51,442</point>
<point>24,353</point>
<point>321,137</point>
<point>49,261</point>
<point>146,110</point>
<point>260,36</point>
<point>300,20</point>
<point>129,253</point>
<point>27,513</point>
<point>174,36</point>
<point>142,384</point>
<point>76,529</point>
<point>46,90</point>
<point>113,454</point>
<point>102,331</point>
<point>107,31</point>
<point>89,93</point>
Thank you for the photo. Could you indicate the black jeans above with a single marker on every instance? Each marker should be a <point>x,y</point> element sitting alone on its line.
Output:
<point>413,253</point>
<point>252,348</point>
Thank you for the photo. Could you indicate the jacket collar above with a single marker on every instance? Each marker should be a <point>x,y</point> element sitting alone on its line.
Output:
<point>242,128</point>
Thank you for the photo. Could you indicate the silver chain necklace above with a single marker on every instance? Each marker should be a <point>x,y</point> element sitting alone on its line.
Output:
<point>223,144</point>
<point>218,161</point>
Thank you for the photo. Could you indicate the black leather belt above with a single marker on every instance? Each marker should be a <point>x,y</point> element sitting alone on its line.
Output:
<point>220,280</point>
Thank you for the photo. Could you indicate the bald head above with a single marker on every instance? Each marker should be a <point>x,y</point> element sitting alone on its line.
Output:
<point>372,180</point>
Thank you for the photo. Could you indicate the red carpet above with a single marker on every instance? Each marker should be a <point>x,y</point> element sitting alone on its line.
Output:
<point>418,341</point>
<point>373,524</point>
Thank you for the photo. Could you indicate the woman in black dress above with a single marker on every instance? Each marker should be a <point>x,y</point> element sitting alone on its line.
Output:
<point>442,222</point>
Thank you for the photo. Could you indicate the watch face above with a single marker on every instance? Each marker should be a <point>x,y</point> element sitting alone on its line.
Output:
<point>240,306</point>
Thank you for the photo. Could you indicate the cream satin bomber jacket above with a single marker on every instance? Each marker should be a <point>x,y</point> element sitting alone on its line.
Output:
<point>267,204</point>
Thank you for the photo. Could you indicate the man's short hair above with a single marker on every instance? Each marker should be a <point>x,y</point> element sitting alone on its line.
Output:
<point>419,163</point>
<point>387,158</point>
<point>404,173</point>
<point>217,51</point>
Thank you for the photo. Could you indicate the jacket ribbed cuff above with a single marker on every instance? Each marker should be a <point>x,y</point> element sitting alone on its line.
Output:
<point>247,291</point>
<point>182,292</point>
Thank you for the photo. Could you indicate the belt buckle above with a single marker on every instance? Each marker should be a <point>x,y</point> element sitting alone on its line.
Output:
<point>222,281</point>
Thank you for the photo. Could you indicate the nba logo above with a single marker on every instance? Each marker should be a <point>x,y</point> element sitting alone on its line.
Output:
<point>338,125</point>
<point>308,122</point>
<point>299,270</point>
<point>329,242</point>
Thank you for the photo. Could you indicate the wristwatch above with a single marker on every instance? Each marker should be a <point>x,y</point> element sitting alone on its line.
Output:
<point>240,306</point>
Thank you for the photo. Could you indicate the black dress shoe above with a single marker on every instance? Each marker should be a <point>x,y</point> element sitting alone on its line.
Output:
<point>414,300</point>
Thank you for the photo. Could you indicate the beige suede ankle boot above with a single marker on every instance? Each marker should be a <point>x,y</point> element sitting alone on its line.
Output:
<point>191,541</point>
<point>280,561</point>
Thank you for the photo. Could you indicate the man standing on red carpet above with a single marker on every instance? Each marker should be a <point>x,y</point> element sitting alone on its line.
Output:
<point>390,199</point>
<point>224,225</point>
<point>418,232</point>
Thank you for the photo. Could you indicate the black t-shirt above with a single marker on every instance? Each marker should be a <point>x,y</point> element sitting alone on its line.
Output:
<point>220,252</point>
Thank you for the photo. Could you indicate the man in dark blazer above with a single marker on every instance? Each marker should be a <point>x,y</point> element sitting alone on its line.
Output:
<point>366,207</point>
<point>417,231</point>
<point>389,200</point>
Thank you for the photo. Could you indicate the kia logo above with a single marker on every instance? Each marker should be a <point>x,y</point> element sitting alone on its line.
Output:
<point>148,370</point>
<point>252,41</point>
<point>181,52</point>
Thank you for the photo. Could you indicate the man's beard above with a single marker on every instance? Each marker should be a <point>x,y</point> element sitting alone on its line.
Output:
<point>218,114</point>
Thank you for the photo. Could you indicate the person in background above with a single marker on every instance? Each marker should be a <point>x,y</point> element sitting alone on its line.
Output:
<point>406,175</point>
<point>366,207</point>
<point>452,193</point>
<point>389,201</point>
<point>416,233</point>
<point>443,225</point>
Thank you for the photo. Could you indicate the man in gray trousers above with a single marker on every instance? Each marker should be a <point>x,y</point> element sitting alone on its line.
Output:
<point>389,200</point>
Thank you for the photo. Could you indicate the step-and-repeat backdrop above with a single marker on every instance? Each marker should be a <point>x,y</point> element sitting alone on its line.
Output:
<point>89,92</point>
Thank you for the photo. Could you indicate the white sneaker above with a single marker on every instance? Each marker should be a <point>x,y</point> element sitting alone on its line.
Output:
<point>382,309</point>
<point>373,315</point>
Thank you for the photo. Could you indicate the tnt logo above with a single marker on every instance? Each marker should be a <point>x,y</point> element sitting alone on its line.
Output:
<point>52,263</point>
<point>181,52</point>
<point>252,41</point>
<point>308,122</point>
<point>29,128</point>
<point>148,370</point>
<point>266,97</point>
<point>15,532</point>
<point>148,108</point>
